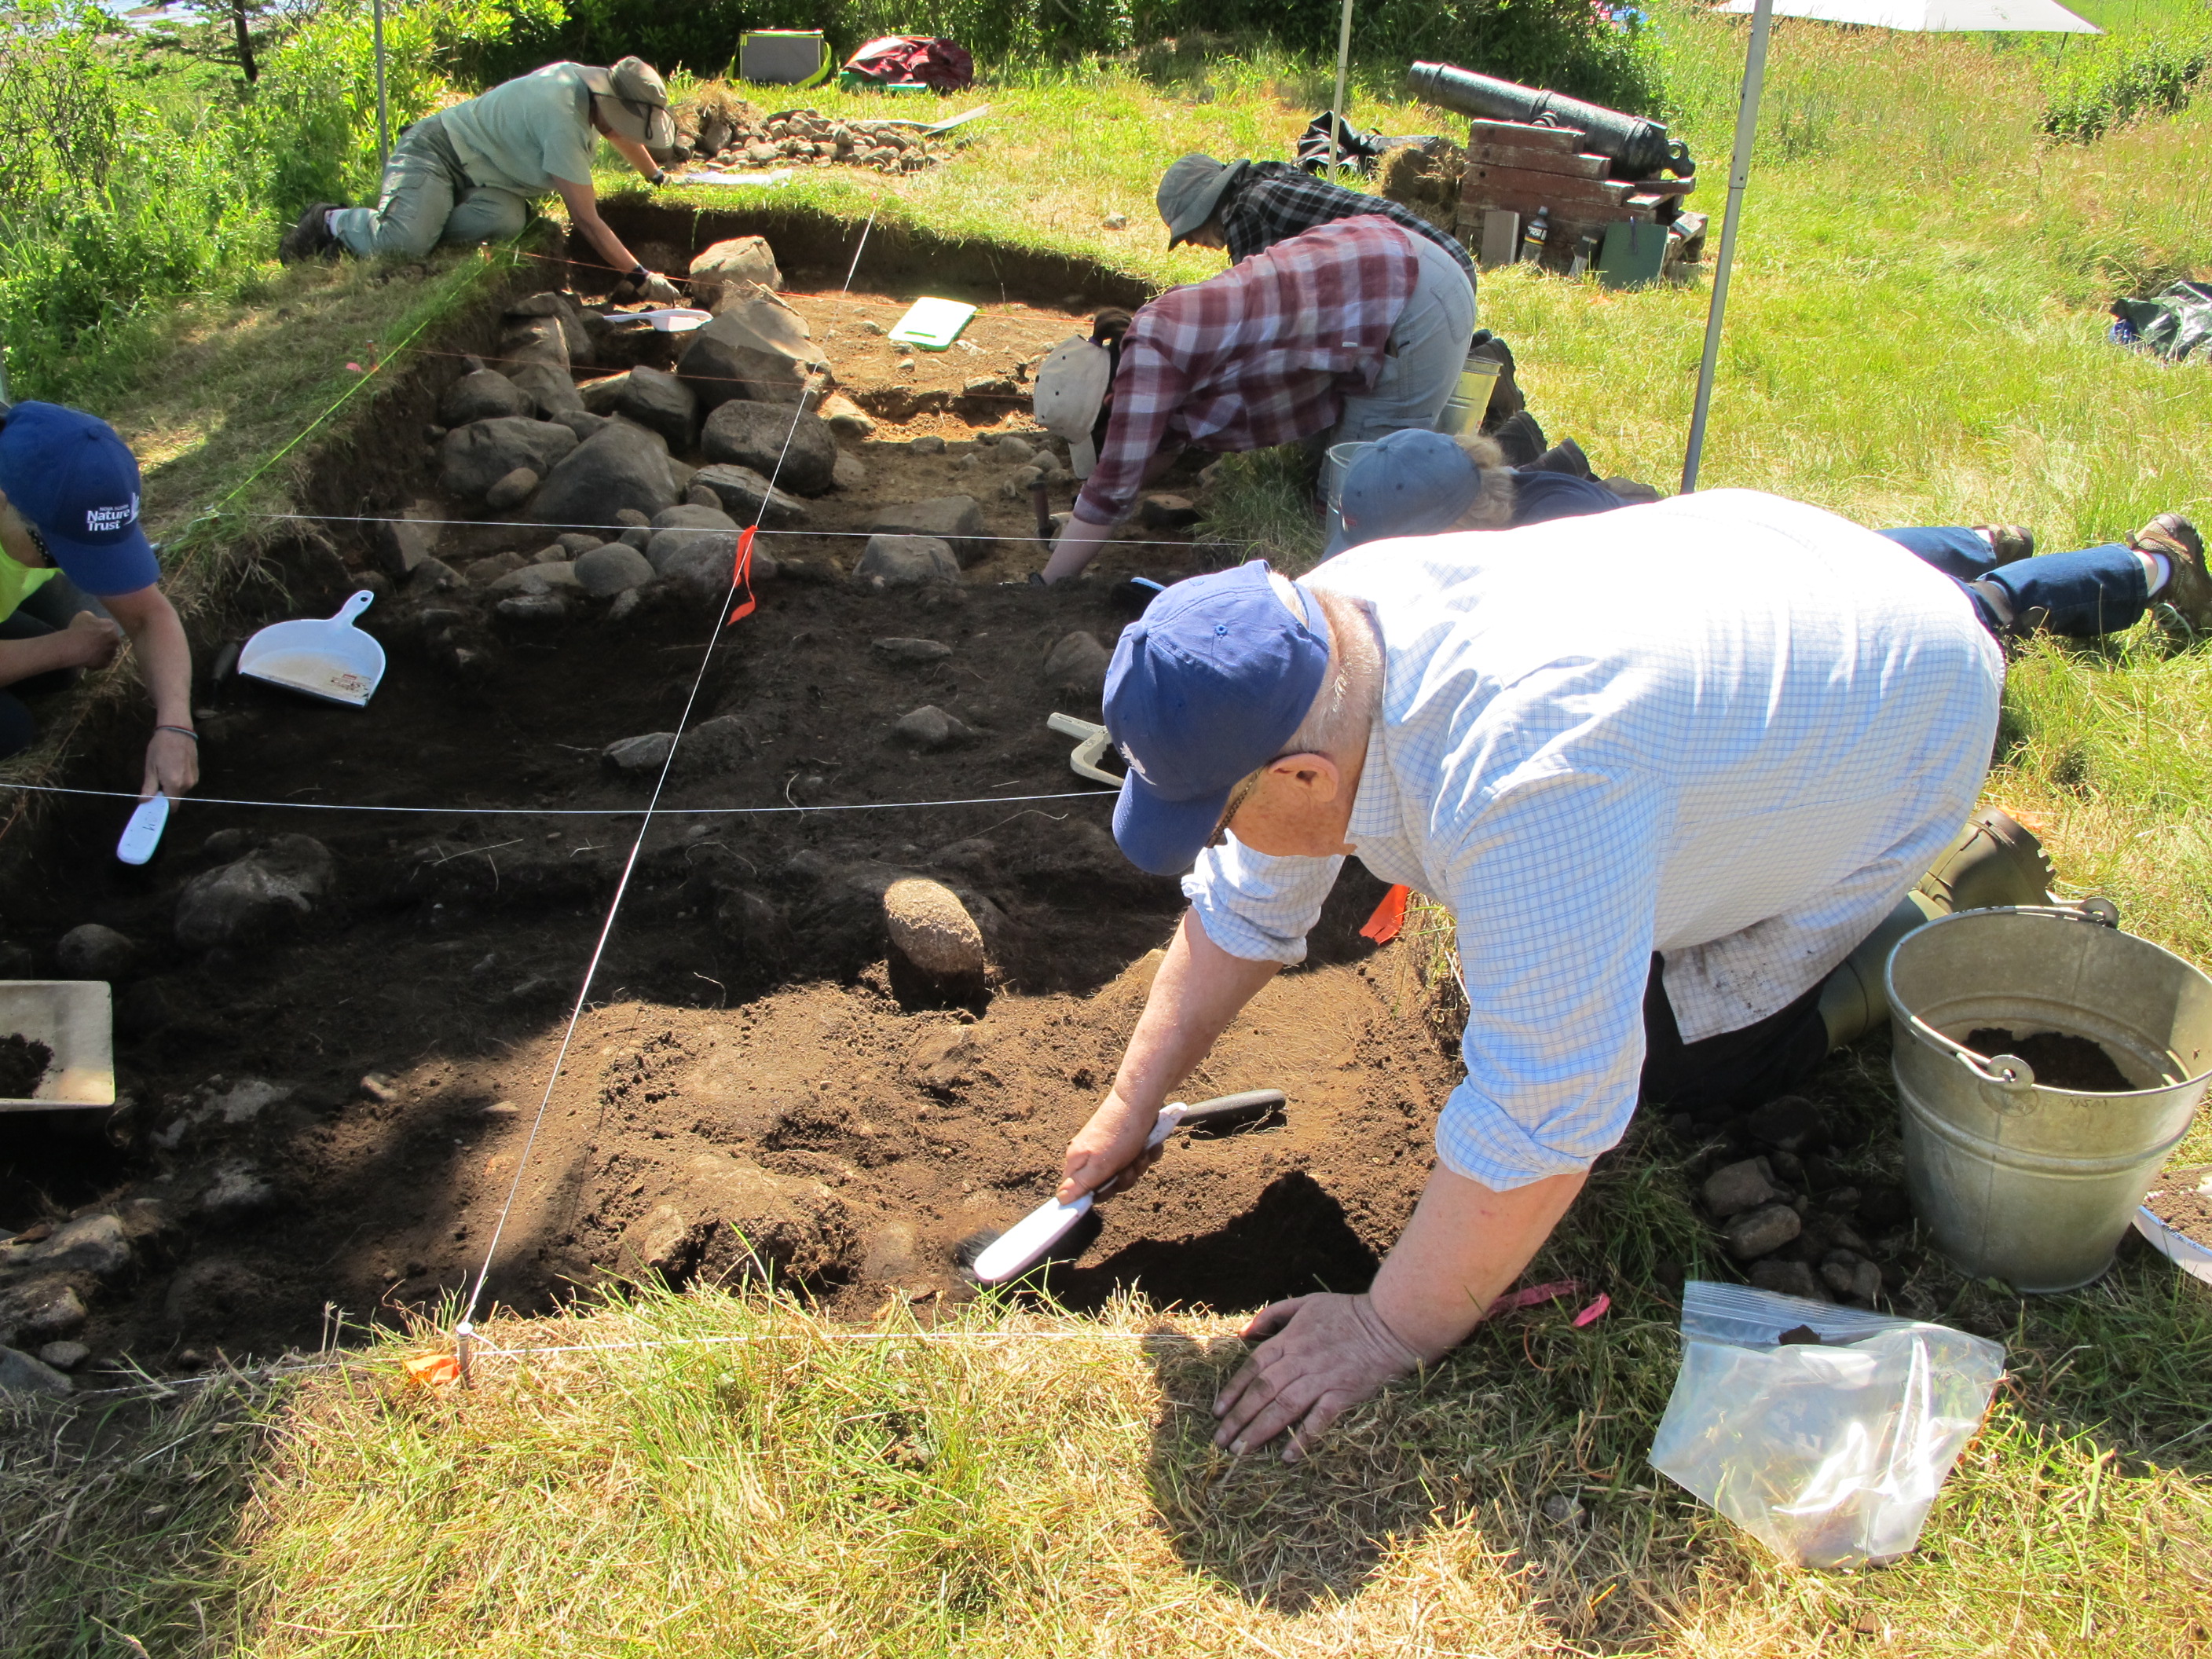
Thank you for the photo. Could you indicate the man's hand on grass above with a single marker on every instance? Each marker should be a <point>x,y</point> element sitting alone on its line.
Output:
<point>1323,1354</point>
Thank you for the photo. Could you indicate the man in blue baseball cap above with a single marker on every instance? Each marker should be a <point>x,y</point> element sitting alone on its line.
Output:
<point>78,576</point>
<point>1668,767</point>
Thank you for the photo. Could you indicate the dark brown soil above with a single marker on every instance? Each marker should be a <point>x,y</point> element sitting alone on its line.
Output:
<point>332,1118</point>
<point>22,1064</point>
<point>2061,1059</point>
<point>2182,1200</point>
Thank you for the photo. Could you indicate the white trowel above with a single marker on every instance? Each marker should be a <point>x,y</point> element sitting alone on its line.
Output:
<point>1029,1240</point>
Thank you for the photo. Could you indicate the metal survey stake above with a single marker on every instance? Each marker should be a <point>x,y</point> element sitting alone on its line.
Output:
<point>144,833</point>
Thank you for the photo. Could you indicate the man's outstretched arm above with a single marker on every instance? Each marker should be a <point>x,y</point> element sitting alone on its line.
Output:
<point>1199,989</point>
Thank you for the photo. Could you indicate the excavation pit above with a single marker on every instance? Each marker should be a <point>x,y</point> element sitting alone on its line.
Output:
<point>324,1100</point>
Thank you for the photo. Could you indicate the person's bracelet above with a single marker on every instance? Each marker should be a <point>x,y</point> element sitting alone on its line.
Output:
<point>181,730</point>
<point>638,273</point>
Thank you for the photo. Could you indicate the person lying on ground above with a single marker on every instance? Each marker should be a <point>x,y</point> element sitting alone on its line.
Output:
<point>1424,483</point>
<point>1247,207</point>
<point>1666,783</point>
<point>1353,329</point>
<point>471,174</point>
<point>77,576</point>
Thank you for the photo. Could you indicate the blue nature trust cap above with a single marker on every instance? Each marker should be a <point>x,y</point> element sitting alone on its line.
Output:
<point>1205,689</point>
<point>71,477</point>
<point>1412,483</point>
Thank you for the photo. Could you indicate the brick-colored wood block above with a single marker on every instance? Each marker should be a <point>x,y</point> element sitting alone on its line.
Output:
<point>1539,161</point>
<point>1522,133</point>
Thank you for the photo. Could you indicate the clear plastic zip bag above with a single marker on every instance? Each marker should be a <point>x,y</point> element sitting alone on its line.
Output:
<point>1829,1453</point>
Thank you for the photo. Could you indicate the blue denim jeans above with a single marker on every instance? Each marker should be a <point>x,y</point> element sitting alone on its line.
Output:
<point>2097,590</point>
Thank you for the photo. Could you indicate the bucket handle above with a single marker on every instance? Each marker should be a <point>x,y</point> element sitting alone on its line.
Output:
<point>2101,911</point>
<point>2008,1082</point>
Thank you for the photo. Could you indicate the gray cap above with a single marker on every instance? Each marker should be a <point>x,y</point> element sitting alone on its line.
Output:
<point>632,99</point>
<point>1192,189</point>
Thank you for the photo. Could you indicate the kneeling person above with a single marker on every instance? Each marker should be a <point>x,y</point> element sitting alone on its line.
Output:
<point>1663,803</point>
<point>468,173</point>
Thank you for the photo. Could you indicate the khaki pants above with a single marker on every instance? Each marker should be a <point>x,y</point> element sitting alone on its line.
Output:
<point>1428,347</point>
<point>428,199</point>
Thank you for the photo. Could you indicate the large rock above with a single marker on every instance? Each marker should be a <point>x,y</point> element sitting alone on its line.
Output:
<point>957,520</point>
<point>558,577</point>
<point>92,951</point>
<point>20,1374</point>
<point>747,496</point>
<point>266,892</point>
<point>472,459</point>
<point>758,348</point>
<point>40,1309</point>
<point>644,753</point>
<point>550,392</point>
<point>604,395</point>
<point>622,466</point>
<point>537,340</point>
<point>932,929</point>
<point>681,533</point>
<point>484,395</point>
<point>1762,1231</point>
<point>1078,662</point>
<point>92,1244</point>
<point>904,561</point>
<point>660,403</point>
<point>612,569</point>
<point>931,727</point>
<point>736,263</point>
<point>1735,1187</point>
<point>511,490</point>
<point>775,441</point>
<point>564,309</point>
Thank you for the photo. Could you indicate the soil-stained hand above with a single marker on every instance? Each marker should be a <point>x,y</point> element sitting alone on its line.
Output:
<point>662,292</point>
<point>1325,1352</point>
<point>90,641</point>
<point>1108,1154</point>
<point>173,765</point>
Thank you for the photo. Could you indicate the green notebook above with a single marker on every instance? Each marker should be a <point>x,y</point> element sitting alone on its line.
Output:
<point>932,325</point>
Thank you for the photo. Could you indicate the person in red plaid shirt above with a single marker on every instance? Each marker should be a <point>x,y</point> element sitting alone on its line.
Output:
<point>1353,329</point>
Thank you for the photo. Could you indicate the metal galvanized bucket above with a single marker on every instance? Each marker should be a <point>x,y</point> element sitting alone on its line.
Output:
<point>2032,1184</point>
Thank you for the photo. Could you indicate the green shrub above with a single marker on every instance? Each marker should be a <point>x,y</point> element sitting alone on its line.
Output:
<point>2108,85</point>
<point>1570,46</point>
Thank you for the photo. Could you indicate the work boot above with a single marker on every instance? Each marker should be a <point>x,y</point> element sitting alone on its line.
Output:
<point>1565,456</point>
<point>1853,999</point>
<point>1519,439</point>
<point>1994,860</point>
<point>310,237</point>
<point>2188,590</point>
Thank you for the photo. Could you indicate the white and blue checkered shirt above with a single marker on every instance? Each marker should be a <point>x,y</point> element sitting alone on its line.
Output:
<point>1726,727</point>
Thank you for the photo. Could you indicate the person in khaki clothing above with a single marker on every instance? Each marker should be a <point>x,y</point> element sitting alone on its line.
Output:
<point>468,173</point>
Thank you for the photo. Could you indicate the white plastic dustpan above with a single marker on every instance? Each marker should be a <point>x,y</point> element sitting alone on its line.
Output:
<point>669,319</point>
<point>331,660</point>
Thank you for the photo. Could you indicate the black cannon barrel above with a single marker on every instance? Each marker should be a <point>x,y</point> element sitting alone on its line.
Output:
<point>1640,149</point>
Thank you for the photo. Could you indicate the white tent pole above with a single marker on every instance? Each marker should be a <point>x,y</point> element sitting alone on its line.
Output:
<point>383,123</point>
<point>1336,105</point>
<point>1746,124</point>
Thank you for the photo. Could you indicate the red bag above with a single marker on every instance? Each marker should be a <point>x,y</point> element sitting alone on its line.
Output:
<point>934,62</point>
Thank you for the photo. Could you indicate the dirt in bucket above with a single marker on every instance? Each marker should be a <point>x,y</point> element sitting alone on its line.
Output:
<point>2061,1059</point>
<point>23,1064</point>
<point>2182,1200</point>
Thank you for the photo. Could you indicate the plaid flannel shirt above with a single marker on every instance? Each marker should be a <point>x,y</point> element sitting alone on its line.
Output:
<point>1260,354</point>
<point>1272,200</point>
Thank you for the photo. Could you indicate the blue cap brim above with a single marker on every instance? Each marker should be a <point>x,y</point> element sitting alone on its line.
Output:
<point>1164,838</point>
<point>122,566</point>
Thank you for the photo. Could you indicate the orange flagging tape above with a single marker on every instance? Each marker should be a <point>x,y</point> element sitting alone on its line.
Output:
<point>1390,916</point>
<point>432,1370</point>
<point>742,577</point>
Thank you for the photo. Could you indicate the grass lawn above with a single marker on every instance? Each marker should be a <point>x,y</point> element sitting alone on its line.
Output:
<point>1915,335</point>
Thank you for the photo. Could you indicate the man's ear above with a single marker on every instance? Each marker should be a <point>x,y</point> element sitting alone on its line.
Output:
<point>1313,772</point>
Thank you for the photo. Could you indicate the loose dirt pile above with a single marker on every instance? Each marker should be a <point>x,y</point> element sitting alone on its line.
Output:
<point>23,1065</point>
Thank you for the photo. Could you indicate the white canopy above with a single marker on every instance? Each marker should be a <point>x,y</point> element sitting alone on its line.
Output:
<point>2042,16</point>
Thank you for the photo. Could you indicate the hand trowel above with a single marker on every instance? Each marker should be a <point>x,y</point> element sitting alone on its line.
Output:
<point>1029,1240</point>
